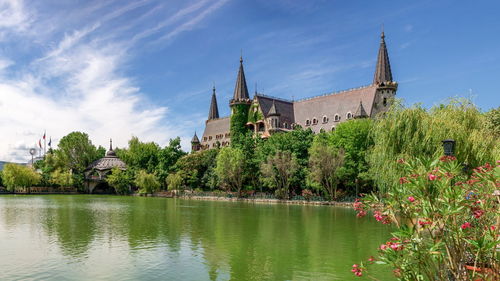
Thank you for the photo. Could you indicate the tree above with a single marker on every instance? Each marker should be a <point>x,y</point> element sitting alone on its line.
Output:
<point>76,151</point>
<point>354,138</point>
<point>194,167</point>
<point>278,171</point>
<point>415,132</point>
<point>61,178</point>
<point>140,155</point>
<point>231,167</point>
<point>147,183</point>
<point>14,175</point>
<point>167,157</point>
<point>324,162</point>
<point>120,180</point>
<point>175,181</point>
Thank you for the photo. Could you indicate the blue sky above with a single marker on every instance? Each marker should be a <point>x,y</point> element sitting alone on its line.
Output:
<point>146,68</point>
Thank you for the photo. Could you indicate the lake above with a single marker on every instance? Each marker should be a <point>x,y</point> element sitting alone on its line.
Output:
<point>93,237</point>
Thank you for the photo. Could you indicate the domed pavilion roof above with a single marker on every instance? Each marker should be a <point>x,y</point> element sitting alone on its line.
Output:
<point>108,162</point>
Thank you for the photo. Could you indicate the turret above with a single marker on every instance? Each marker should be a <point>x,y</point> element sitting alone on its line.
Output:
<point>195,143</point>
<point>240,105</point>
<point>213,113</point>
<point>386,86</point>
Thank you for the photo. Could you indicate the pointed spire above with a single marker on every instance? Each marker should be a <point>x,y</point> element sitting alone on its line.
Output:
<point>360,112</point>
<point>213,113</point>
<point>383,72</point>
<point>110,144</point>
<point>195,138</point>
<point>111,152</point>
<point>273,111</point>
<point>241,90</point>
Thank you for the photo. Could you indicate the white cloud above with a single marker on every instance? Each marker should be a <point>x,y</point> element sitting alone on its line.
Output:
<point>79,84</point>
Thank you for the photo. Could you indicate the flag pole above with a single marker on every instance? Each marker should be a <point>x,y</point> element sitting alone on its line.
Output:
<point>44,143</point>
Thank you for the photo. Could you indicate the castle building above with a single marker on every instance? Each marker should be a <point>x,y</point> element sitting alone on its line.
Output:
<point>266,115</point>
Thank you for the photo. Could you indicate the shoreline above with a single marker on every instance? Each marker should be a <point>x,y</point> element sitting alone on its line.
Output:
<point>267,201</point>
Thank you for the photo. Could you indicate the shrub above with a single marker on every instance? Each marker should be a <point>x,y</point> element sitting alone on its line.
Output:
<point>14,175</point>
<point>120,180</point>
<point>147,183</point>
<point>445,223</point>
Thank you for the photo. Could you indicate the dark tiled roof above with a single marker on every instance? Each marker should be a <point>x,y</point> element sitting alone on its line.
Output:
<point>273,111</point>
<point>107,163</point>
<point>330,105</point>
<point>283,107</point>
<point>216,127</point>
<point>383,69</point>
<point>213,113</point>
<point>241,90</point>
<point>195,139</point>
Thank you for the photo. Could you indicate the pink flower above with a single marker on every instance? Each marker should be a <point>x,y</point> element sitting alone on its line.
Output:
<point>359,274</point>
<point>478,213</point>
<point>371,259</point>
<point>466,225</point>
<point>432,177</point>
<point>492,228</point>
<point>403,180</point>
<point>383,247</point>
<point>411,199</point>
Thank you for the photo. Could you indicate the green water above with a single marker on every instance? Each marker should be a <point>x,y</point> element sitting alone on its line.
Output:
<point>80,237</point>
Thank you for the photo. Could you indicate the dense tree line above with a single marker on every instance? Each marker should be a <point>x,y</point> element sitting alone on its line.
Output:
<point>356,157</point>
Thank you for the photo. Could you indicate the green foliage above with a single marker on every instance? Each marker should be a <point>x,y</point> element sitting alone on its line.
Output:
<point>120,180</point>
<point>443,221</point>
<point>147,183</point>
<point>167,157</point>
<point>175,181</point>
<point>47,166</point>
<point>254,114</point>
<point>324,164</point>
<point>406,133</point>
<point>61,178</point>
<point>297,142</point>
<point>230,168</point>
<point>76,151</point>
<point>14,175</point>
<point>193,167</point>
<point>493,121</point>
<point>238,129</point>
<point>278,170</point>
<point>140,155</point>
<point>353,137</point>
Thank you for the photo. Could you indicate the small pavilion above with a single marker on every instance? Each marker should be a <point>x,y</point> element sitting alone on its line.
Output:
<point>96,173</point>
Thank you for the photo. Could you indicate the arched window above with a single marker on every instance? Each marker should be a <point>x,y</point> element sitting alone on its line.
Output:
<point>336,118</point>
<point>333,128</point>
<point>349,115</point>
<point>385,102</point>
<point>209,137</point>
<point>285,125</point>
<point>308,122</point>
<point>325,119</point>
<point>321,130</point>
<point>315,121</point>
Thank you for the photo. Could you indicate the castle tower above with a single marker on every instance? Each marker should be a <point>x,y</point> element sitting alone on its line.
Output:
<point>213,113</point>
<point>240,105</point>
<point>195,143</point>
<point>387,88</point>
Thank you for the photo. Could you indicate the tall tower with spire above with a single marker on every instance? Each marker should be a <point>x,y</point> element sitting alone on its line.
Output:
<point>213,113</point>
<point>386,86</point>
<point>240,105</point>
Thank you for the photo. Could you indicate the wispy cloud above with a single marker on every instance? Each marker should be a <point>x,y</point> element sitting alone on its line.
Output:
<point>78,83</point>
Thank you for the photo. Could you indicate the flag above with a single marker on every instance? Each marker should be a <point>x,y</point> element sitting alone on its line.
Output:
<point>44,135</point>
<point>50,142</point>
<point>40,143</point>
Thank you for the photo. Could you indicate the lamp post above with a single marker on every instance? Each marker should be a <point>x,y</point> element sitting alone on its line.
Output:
<point>32,152</point>
<point>449,147</point>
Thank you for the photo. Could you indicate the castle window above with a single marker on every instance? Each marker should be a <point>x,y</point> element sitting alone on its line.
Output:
<point>321,130</point>
<point>209,137</point>
<point>325,119</point>
<point>336,118</point>
<point>333,128</point>
<point>385,102</point>
<point>285,125</point>
<point>204,138</point>
<point>349,115</point>
<point>308,122</point>
<point>315,121</point>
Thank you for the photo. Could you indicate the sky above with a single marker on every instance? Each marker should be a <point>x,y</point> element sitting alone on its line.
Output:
<point>146,68</point>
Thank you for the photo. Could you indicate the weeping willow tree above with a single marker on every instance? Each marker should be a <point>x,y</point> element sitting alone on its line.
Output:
<point>415,132</point>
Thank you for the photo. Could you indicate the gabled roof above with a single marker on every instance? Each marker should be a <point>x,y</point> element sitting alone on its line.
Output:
<point>360,112</point>
<point>241,90</point>
<point>383,72</point>
<point>273,111</point>
<point>213,112</point>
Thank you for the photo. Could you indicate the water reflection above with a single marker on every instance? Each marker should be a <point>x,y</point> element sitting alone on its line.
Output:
<point>129,238</point>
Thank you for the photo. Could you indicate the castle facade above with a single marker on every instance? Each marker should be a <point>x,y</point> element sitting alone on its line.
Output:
<point>265,115</point>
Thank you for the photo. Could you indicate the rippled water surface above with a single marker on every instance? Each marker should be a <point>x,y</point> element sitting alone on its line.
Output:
<point>84,237</point>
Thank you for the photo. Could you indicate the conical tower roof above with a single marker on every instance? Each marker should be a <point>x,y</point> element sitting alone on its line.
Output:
<point>272,110</point>
<point>195,139</point>
<point>360,112</point>
<point>241,90</point>
<point>383,72</point>
<point>213,113</point>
